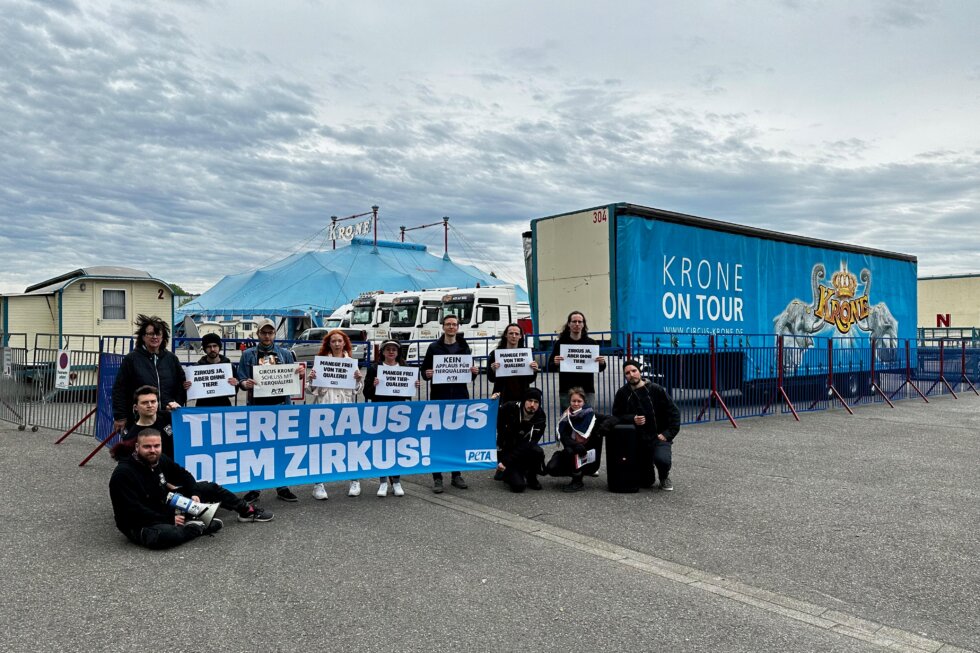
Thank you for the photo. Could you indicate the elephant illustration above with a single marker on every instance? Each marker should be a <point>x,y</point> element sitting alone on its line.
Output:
<point>883,327</point>
<point>797,320</point>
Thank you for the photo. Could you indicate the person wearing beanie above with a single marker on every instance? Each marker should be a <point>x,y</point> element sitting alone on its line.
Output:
<point>211,342</point>
<point>391,356</point>
<point>520,425</point>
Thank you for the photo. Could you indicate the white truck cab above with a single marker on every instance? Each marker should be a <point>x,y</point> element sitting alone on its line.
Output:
<point>415,316</point>
<point>483,312</point>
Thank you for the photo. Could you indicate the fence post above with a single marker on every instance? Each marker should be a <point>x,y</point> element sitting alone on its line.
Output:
<point>874,377</point>
<point>965,376</point>
<point>714,382</point>
<point>830,375</point>
<point>779,377</point>
<point>908,374</point>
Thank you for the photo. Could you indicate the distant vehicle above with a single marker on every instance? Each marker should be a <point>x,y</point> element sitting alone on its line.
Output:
<point>305,352</point>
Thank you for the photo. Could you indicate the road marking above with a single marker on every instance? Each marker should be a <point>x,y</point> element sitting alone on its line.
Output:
<point>872,632</point>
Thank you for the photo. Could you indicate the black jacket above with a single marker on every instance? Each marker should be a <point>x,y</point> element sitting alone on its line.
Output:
<point>569,380</point>
<point>651,401</point>
<point>138,495</point>
<point>447,390</point>
<point>514,432</point>
<point>139,368</point>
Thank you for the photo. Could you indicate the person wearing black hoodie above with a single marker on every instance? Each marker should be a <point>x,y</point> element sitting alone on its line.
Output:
<point>211,343</point>
<point>450,343</point>
<point>646,405</point>
<point>138,490</point>
<point>520,425</point>
<point>148,364</point>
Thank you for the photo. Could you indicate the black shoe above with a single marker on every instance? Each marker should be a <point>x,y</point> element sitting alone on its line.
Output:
<point>285,494</point>
<point>437,486</point>
<point>458,482</point>
<point>666,485</point>
<point>575,486</point>
<point>251,496</point>
<point>213,527</point>
<point>499,475</point>
<point>195,527</point>
<point>254,513</point>
<point>533,483</point>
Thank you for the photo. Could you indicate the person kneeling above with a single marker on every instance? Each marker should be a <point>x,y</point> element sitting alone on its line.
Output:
<point>139,490</point>
<point>581,442</point>
<point>520,425</point>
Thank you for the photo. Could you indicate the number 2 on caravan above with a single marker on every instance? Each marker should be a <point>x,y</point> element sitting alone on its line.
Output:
<point>599,216</point>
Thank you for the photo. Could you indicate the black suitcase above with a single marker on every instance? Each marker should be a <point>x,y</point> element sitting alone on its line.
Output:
<point>622,461</point>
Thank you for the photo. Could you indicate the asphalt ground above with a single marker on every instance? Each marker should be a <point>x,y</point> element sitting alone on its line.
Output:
<point>837,533</point>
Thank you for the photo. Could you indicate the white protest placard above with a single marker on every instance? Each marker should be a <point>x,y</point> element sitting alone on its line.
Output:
<point>8,363</point>
<point>513,362</point>
<point>209,381</point>
<point>276,381</point>
<point>334,372</point>
<point>62,379</point>
<point>453,368</point>
<point>578,358</point>
<point>585,459</point>
<point>396,381</point>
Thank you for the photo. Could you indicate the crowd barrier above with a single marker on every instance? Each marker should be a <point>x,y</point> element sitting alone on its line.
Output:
<point>710,377</point>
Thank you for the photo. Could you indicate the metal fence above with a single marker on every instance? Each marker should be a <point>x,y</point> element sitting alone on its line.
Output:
<point>710,377</point>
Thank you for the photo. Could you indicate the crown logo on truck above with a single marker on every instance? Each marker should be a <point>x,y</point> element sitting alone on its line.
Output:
<point>845,283</point>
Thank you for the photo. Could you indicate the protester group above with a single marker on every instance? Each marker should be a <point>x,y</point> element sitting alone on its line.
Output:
<point>158,504</point>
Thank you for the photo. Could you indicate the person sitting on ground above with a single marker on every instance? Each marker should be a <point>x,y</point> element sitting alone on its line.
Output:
<point>146,408</point>
<point>580,440</point>
<point>138,490</point>
<point>520,425</point>
<point>646,405</point>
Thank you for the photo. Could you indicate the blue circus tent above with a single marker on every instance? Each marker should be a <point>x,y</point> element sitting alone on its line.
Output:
<point>317,282</point>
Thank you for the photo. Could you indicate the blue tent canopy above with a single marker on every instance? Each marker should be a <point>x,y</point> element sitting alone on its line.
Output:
<point>319,282</point>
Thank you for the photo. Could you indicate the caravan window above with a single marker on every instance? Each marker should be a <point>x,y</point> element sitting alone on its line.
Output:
<point>113,304</point>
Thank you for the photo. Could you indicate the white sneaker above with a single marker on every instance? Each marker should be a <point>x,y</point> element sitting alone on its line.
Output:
<point>319,492</point>
<point>383,489</point>
<point>397,487</point>
<point>355,489</point>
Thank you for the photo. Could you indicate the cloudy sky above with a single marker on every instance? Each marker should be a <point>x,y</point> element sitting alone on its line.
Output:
<point>198,139</point>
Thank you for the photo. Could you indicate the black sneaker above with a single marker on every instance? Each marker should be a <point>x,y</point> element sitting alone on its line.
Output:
<point>251,496</point>
<point>213,527</point>
<point>498,476</point>
<point>575,486</point>
<point>285,494</point>
<point>533,483</point>
<point>254,513</point>
<point>666,485</point>
<point>437,486</point>
<point>194,526</point>
<point>458,482</point>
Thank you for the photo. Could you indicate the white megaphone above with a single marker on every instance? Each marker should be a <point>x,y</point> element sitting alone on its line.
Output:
<point>203,511</point>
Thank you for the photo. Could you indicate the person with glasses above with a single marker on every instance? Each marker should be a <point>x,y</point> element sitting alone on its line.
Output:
<point>450,343</point>
<point>576,332</point>
<point>148,364</point>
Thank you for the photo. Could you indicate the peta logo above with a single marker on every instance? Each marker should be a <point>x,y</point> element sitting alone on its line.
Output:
<point>481,455</point>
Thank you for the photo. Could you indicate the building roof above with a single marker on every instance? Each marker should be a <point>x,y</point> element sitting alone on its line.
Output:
<point>98,271</point>
<point>324,280</point>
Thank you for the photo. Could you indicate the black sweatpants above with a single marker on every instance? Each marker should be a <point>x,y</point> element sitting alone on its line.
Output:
<point>166,536</point>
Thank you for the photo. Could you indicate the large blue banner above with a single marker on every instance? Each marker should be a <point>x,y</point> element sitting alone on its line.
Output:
<point>255,447</point>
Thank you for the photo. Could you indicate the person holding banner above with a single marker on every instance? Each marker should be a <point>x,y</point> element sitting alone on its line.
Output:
<point>576,332</point>
<point>211,342</point>
<point>511,383</point>
<point>449,345</point>
<point>335,344</point>
<point>520,425</point>
<point>139,490</point>
<point>267,352</point>
<point>581,443</point>
<point>148,364</point>
<point>374,390</point>
<point>146,407</point>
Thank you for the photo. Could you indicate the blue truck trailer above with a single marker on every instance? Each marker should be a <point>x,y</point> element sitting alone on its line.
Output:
<point>670,279</point>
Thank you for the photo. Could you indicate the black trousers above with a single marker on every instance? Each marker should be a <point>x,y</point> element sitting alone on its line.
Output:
<point>166,536</point>
<point>654,455</point>
<point>523,462</point>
